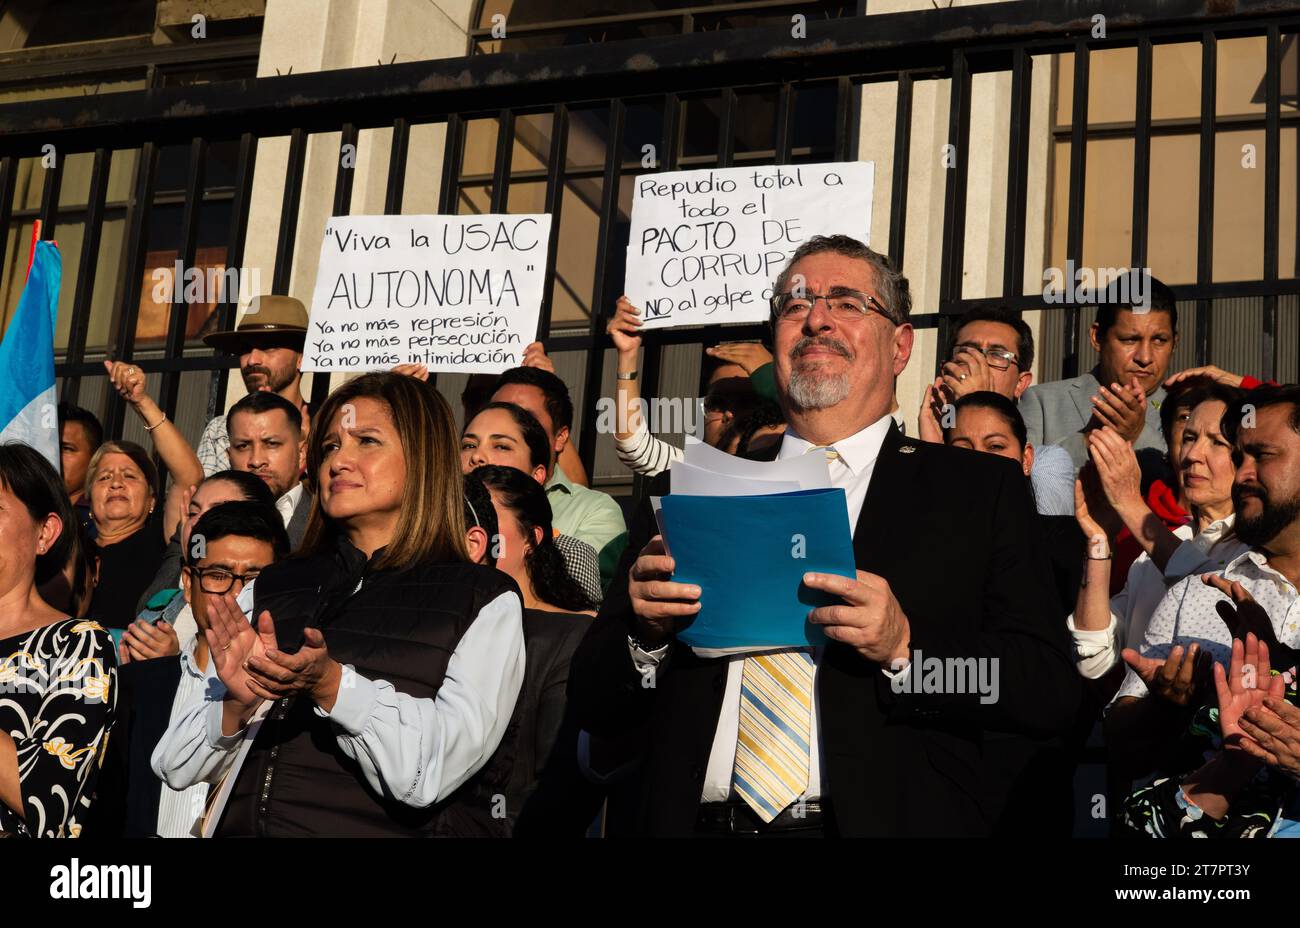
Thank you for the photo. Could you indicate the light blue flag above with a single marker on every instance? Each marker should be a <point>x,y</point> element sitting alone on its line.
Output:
<point>28,403</point>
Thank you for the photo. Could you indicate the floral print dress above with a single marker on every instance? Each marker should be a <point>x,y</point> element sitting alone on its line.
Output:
<point>58,690</point>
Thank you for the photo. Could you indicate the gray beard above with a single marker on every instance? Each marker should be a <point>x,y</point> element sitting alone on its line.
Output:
<point>810,391</point>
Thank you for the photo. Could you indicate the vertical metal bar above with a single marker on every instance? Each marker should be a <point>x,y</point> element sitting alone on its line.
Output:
<point>137,236</point>
<point>451,155</point>
<point>449,190</point>
<point>346,173</point>
<point>86,269</point>
<point>283,273</point>
<point>1205,211</point>
<point>397,166</point>
<point>843,118</point>
<point>954,205</point>
<point>239,209</point>
<point>901,167</point>
<point>556,169</point>
<point>501,166</point>
<point>601,286</point>
<point>8,174</point>
<point>726,127</point>
<point>1013,259</point>
<point>1078,175</point>
<point>344,177</point>
<point>50,196</point>
<point>651,346</point>
<point>1142,155</point>
<point>180,314</point>
<point>784,113</point>
<point>1272,194</point>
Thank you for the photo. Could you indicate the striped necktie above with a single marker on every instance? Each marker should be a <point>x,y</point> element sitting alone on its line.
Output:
<point>772,743</point>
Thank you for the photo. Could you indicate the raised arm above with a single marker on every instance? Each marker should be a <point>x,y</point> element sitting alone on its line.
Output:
<point>177,455</point>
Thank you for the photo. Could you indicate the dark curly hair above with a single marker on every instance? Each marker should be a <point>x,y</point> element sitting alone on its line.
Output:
<point>526,499</point>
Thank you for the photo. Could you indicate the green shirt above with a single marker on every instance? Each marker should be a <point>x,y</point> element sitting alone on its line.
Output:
<point>588,515</point>
<point>763,381</point>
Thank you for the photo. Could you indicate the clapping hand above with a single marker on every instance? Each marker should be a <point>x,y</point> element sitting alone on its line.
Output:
<point>1178,679</point>
<point>1247,683</point>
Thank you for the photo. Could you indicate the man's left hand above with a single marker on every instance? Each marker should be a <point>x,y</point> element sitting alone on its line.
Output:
<point>870,620</point>
<point>311,672</point>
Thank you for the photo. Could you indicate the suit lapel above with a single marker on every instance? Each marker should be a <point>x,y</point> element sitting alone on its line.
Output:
<point>1082,392</point>
<point>889,497</point>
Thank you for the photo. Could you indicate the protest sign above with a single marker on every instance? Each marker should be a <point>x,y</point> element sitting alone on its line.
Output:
<point>706,246</point>
<point>455,293</point>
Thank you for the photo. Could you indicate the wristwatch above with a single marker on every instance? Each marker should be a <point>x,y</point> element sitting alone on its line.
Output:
<point>645,646</point>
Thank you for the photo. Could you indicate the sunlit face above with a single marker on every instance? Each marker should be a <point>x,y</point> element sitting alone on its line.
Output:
<point>984,334</point>
<point>272,369</point>
<point>20,538</point>
<point>1137,345</point>
<point>531,398</point>
<point>493,437</point>
<point>119,494</point>
<point>987,430</point>
<point>1266,493</point>
<point>821,361</point>
<point>76,451</point>
<point>234,554</point>
<point>1176,429</point>
<point>267,446</point>
<point>362,474</point>
<point>1205,457</point>
<point>513,545</point>
<point>209,493</point>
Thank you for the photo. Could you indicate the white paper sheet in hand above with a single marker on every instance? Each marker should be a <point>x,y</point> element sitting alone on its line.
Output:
<point>689,480</point>
<point>809,471</point>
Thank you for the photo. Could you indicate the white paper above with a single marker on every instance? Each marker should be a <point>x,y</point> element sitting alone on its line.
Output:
<point>690,480</point>
<point>455,293</point>
<point>706,246</point>
<point>807,471</point>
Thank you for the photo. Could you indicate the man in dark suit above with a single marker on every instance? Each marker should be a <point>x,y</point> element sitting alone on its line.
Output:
<point>856,738</point>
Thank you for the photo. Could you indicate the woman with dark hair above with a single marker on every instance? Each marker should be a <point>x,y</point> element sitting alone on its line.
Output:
<point>378,688</point>
<point>57,673</point>
<point>546,791</point>
<point>510,436</point>
<point>527,550</point>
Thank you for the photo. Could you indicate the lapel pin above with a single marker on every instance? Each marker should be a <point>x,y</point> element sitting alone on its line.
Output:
<point>906,449</point>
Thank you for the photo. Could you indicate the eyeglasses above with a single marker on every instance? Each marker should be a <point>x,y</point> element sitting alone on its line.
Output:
<point>218,580</point>
<point>999,358</point>
<point>844,305</point>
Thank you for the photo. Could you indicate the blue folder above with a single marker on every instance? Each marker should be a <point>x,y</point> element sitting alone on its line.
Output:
<point>744,554</point>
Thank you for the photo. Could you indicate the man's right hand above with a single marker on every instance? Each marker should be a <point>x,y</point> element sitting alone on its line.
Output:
<point>657,601</point>
<point>232,641</point>
<point>1179,679</point>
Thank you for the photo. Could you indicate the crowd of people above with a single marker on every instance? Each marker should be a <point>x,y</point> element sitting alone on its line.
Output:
<point>360,620</point>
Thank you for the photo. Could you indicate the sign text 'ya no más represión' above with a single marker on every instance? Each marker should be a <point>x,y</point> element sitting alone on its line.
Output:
<point>455,293</point>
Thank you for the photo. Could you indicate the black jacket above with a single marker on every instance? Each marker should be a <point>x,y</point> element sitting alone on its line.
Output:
<point>398,626</point>
<point>952,531</point>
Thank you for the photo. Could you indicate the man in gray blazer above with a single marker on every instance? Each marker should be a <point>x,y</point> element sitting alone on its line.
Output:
<point>1125,389</point>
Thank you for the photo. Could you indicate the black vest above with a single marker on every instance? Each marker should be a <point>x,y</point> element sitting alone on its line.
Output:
<point>401,627</point>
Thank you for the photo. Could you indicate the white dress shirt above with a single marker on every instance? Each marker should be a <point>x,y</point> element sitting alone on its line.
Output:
<point>851,471</point>
<point>1096,651</point>
<point>1187,614</point>
<point>180,810</point>
<point>287,503</point>
<point>417,750</point>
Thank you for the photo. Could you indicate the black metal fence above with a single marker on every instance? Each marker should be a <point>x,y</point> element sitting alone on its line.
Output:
<point>630,93</point>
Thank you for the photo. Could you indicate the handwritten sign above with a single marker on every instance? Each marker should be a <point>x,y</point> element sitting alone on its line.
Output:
<point>455,293</point>
<point>705,247</point>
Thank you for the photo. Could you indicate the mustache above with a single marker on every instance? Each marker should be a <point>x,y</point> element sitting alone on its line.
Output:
<point>820,341</point>
<point>256,369</point>
<point>1240,492</point>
